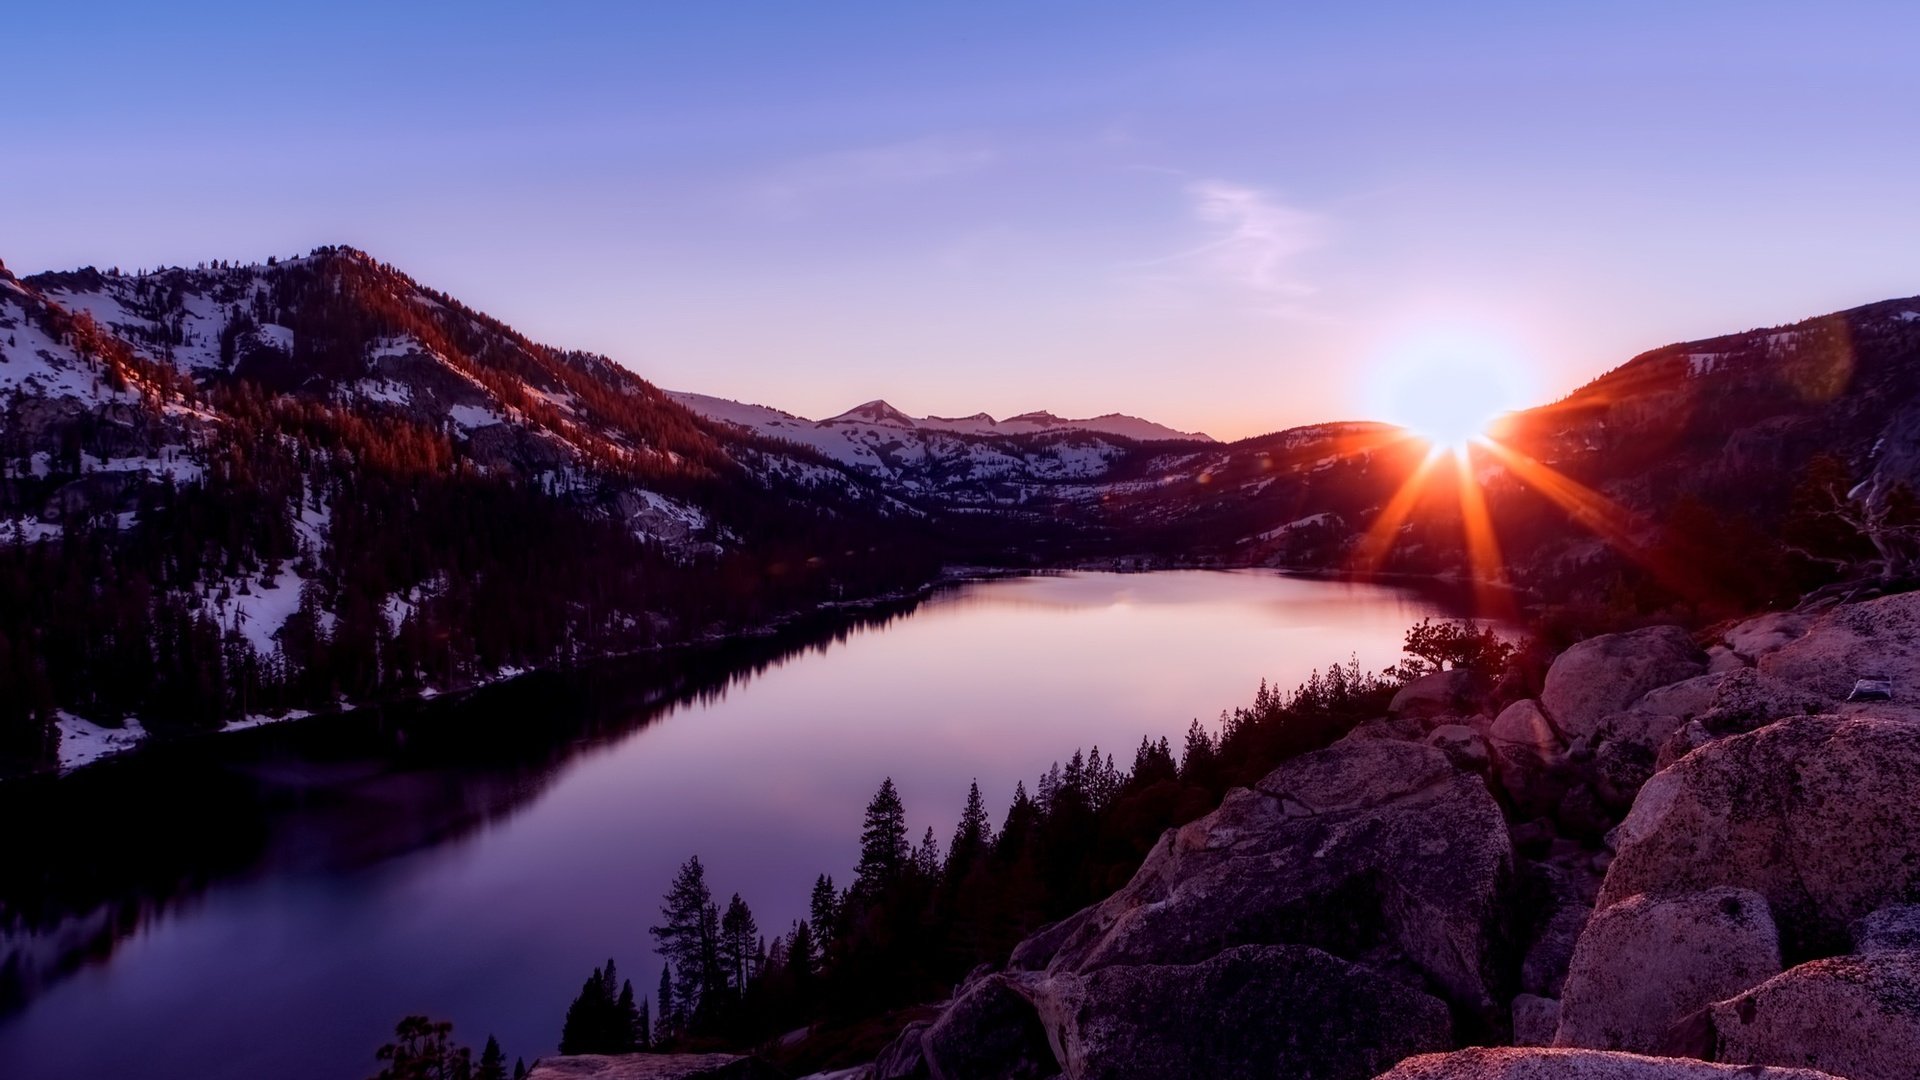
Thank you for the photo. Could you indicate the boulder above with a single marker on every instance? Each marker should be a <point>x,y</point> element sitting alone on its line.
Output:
<point>905,1058</point>
<point>1275,1010</point>
<point>991,1029</point>
<point>1621,765</point>
<point>1643,964</point>
<point>1535,1019</point>
<point>1465,747</point>
<point>1763,634</point>
<point>1437,693</point>
<point>1529,756</point>
<point>1511,1063</point>
<point>1816,813</point>
<point>1687,738</point>
<point>1853,1016</point>
<point>1671,721</point>
<point>1720,658</point>
<point>652,1067</point>
<point>1363,849</point>
<point>1894,927</point>
<point>1604,675</point>
<point>1400,728</point>
<point>1877,637</point>
<point>1746,699</point>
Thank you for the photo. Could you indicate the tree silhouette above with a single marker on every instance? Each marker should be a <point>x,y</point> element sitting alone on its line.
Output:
<point>423,1049</point>
<point>883,843</point>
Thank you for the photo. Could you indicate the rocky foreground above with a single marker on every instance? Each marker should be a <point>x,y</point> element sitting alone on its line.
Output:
<point>1675,864</point>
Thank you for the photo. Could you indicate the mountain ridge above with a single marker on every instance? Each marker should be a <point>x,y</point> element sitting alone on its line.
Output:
<point>282,486</point>
<point>880,412</point>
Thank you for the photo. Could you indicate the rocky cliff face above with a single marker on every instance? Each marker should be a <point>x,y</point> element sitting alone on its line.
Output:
<point>1682,864</point>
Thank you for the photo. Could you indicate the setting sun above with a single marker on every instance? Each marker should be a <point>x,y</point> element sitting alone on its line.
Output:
<point>1448,394</point>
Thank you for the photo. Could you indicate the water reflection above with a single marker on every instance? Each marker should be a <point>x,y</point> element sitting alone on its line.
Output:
<point>266,904</point>
<point>116,845</point>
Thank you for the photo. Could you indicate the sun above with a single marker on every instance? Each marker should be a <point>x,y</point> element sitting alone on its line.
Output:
<point>1447,414</point>
<point>1448,394</point>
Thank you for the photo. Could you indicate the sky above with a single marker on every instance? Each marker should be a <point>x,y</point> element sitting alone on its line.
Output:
<point>1224,217</point>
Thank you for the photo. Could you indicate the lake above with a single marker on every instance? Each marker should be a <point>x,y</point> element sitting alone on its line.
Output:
<point>268,903</point>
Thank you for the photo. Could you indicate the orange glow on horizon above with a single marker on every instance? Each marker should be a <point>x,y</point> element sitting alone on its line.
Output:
<point>1486,564</point>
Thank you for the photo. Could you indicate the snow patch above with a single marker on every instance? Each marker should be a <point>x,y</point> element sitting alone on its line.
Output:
<point>260,612</point>
<point>470,417</point>
<point>83,742</point>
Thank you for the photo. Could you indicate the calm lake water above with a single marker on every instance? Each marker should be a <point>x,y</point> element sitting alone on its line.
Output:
<point>267,905</point>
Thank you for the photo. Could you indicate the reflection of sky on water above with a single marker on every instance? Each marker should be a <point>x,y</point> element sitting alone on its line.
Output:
<point>300,973</point>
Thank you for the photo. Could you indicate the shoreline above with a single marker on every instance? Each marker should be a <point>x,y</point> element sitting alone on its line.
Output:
<point>103,744</point>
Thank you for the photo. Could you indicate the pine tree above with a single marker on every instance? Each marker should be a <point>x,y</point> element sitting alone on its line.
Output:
<point>643,1029</point>
<point>493,1064</point>
<point>1197,757</point>
<point>884,850</point>
<point>667,1024</point>
<point>688,939</point>
<point>823,909</point>
<point>627,1020</point>
<point>738,938</point>
<point>972,837</point>
<point>1152,763</point>
<point>1022,815</point>
<point>801,967</point>
<point>926,857</point>
<point>519,1068</point>
<point>600,1021</point>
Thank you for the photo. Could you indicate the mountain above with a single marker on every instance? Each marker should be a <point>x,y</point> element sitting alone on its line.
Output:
<point>1796,446</point>
<point>235,492</point>
<point>238,492</point>
<point>972,462</point>
<point>1127,427</point>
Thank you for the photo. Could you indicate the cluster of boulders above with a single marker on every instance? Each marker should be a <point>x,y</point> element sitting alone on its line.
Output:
<point>1675,864</point>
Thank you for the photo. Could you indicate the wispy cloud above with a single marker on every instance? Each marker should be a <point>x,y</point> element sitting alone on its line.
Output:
<point>1253,243</point>
<point>865,168</point>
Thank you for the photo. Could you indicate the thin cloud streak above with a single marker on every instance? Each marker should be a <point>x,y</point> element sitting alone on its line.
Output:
<point>1253,247</point>
<point>1259,240</point>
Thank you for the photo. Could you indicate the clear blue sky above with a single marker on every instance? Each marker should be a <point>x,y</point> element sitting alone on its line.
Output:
<point>1222,216</point>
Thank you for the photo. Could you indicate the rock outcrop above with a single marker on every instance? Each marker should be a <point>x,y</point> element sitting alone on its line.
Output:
<point>991,1029</point>
<point>1815,813</point>
<point>1349,909</point>
<point>1853,1016</point>
<point>1892,928</point>
<point>1368,850</point>
<point>1843,643</point>
<point>905,1058</point>
<point>1438,693</point>
<point>1606,674</point>
<point>1366,901</point>
<point>1643,964</point>
<point>1530,757</point>
<point>1545,1064</point>
<point>1276,1010</point>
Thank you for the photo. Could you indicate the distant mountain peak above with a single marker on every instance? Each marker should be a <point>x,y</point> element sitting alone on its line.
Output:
<point>873,412</point>
<point>1041,416</point>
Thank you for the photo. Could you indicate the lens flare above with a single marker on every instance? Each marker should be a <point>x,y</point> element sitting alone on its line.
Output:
<point>1448,389</point>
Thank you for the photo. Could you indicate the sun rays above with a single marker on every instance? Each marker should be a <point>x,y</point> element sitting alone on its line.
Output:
<point>1469,466</point>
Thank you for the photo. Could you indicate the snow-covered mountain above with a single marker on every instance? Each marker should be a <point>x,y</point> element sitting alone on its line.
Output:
<point>970,461</point>
<point>252,490</point>
<point>237,491</point>
<point>879,413</point>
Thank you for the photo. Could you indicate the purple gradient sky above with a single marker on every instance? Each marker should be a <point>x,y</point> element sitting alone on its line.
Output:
<point>1225,217</point>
